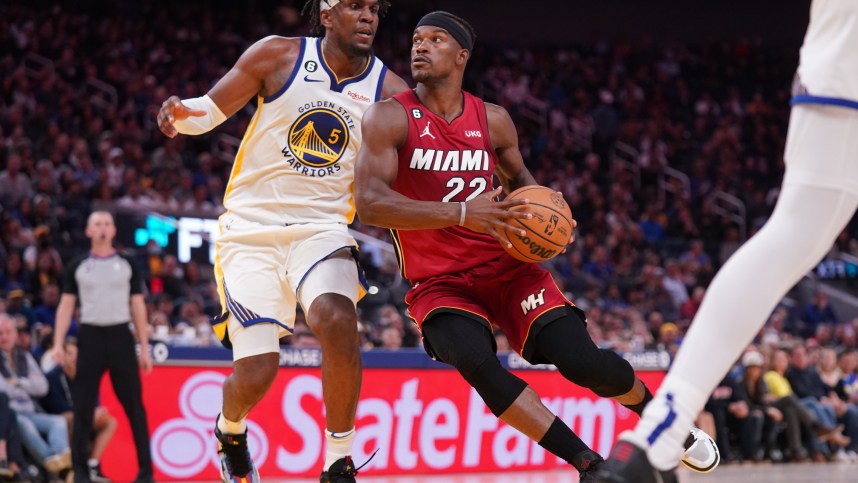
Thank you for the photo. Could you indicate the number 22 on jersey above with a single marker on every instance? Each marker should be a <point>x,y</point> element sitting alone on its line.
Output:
<point>457,184</point>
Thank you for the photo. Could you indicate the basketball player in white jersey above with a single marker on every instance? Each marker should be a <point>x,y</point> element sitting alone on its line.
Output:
<point>284,237</point>
<point>818,198</point>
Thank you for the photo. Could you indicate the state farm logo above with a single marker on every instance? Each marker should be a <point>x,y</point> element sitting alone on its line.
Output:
<point>417,427</point>
<point>183,447</point>
<point>473,134</point>
<point>358,97</point>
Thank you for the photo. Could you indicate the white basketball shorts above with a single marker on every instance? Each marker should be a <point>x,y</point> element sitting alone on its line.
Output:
<point>828,66</point>
<point>263,271</point>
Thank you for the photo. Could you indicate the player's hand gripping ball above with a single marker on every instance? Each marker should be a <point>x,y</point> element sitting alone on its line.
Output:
<point>549,230</point>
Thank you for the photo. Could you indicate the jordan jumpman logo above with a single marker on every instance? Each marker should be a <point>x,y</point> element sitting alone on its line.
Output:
<point>426,131</point>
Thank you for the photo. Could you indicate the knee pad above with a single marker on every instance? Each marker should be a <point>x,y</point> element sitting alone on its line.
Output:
<point>566,344</point>
<point>617,376</point>
<point>607,374</point>
<point>468,346</point>
<point>481,369</point>
<point>498,387</point>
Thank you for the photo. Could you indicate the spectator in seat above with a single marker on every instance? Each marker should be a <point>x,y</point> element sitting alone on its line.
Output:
<point>817,312</point>
<point>18,305</point>
<point>848,361</point>
<point>46,312</point>
<point>761,402</point>
<point>391,338</point>
<point>23,381</point>
<point>11,452</point>
<point>832,377</point>
<point>725,406</point>
<point>796,416</point>
<point>829,409</point>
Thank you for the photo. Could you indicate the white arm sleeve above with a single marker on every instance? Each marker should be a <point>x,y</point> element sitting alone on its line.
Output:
<point>195,125</point>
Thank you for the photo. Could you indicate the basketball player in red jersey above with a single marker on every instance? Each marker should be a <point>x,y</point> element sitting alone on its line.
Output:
<point>425,170</point>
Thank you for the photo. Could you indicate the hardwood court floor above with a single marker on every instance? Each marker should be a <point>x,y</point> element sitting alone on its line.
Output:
<point>791,473</point>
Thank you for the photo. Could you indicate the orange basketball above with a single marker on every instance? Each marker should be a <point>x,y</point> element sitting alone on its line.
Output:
<point>547,232</point>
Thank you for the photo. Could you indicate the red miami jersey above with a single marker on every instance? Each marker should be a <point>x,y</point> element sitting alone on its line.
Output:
<point>448,162</point>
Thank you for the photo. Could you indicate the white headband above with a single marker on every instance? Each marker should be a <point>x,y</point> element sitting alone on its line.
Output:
<point>327,4</point>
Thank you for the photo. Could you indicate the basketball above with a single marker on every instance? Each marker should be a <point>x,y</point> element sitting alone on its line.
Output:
<point>547,232</point>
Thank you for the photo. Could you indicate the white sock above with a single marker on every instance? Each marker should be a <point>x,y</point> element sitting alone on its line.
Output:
<point>339,446</point>
<point>816,202</point>
<point>229,427</point>
<point>92,462</point>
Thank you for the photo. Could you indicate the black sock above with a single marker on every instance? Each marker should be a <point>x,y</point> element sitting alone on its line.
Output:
<point>639,407</point>
<point>563,442</point>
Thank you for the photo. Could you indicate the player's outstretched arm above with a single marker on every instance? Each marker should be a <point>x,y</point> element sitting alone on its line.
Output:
<point>385,129</point>
<point>255,69</point>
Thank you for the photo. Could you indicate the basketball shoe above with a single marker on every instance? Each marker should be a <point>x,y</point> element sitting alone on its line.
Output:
<point>628,462</point>
<point>341,471</point>
<point>235,463</point>
<point>701,453</point>
<point>589,463</point>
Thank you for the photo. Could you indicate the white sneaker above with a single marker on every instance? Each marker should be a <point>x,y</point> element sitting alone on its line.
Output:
<point>701,453</point>
<point>842,456</point>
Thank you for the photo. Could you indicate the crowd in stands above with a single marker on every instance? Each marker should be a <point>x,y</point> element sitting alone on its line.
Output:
<point>787,402</point>
<point>77,132</point>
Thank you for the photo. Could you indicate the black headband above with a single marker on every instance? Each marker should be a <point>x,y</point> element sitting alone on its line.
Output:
<point>449,23</point>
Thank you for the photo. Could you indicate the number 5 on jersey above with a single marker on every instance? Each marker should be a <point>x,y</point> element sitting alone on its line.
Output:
<point>335,136</point>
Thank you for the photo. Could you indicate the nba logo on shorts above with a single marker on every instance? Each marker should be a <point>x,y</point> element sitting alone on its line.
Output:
<point>319,138</point>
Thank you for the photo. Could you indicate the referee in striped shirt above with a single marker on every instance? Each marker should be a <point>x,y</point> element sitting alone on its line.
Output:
<point>110,290</point>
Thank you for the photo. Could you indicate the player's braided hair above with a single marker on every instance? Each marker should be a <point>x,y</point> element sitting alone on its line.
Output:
<point>312,9</point>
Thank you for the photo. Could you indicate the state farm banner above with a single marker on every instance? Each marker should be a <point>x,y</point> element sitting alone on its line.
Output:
<point>421,421</point>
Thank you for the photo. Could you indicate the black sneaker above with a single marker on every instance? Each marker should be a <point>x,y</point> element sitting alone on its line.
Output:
<point>587,463</point>
<point>629,464</point>
<point>95,474</point>
<point>342,471</point>
<point>235,463</point>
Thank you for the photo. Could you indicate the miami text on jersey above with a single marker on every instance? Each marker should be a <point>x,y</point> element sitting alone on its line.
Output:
<point>453,160</point>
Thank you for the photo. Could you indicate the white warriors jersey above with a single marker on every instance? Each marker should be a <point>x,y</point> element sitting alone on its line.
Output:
<point>829,56</point>
<point>296,161</point>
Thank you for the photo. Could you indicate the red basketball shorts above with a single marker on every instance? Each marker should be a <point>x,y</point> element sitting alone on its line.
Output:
<point>505,292</point>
